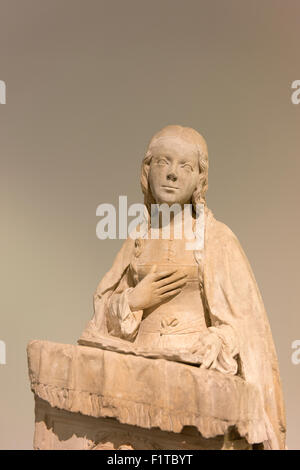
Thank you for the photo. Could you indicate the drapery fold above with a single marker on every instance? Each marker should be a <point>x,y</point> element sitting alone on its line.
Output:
<point>139,391</point>
<point>232,298</point>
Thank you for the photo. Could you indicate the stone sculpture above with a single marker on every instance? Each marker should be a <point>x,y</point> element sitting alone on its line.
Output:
<point>179,353</point>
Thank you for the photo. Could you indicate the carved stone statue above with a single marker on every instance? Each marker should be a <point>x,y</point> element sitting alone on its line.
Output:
<point>179,353</point>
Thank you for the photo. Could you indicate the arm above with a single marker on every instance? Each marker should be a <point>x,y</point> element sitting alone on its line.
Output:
<point>122,321</point>
<point>127,303</point>
<point>220,347</point>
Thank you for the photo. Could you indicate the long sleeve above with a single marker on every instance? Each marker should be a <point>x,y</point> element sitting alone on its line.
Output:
<point>226,361</point>
<point>234,299</point>
<point>121,321</point>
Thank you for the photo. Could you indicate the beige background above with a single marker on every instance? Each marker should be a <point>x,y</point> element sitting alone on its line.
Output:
<point>88,83</point>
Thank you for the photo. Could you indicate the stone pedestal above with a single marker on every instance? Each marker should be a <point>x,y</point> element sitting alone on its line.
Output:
<point>57,429</point>
<point>88,398</point>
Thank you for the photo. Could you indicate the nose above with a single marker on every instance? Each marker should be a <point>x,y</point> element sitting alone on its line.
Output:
<point>171,176</point>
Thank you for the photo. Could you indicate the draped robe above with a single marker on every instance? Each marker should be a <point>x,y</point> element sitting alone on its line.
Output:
<point>232,298</point>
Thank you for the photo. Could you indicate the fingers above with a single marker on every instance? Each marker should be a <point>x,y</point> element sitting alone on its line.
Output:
<point>164,274</point>
<point>153,269</point>
<point>207,361</point>
<point>172,293</point>
<point>209,357</point>
<point>172,286</point>
<point>174,277</point>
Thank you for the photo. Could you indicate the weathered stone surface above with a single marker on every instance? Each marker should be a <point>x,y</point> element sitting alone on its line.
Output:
<point>179,337</point>
<point>57,429</point>
<point>144,392</point>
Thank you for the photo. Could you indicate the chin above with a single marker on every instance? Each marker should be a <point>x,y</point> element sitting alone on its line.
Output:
<point>168,200</point>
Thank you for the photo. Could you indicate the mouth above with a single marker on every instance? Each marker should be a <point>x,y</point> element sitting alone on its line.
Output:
<point>169,187</point>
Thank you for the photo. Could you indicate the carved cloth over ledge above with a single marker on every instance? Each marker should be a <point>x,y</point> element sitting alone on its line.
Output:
<point>150,393</point>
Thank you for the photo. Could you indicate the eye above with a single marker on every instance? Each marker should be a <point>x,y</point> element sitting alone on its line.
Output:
<point>187,167</point>
<point>162,161</point>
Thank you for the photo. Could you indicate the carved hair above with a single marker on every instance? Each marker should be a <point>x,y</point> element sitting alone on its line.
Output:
<point>190,136</point>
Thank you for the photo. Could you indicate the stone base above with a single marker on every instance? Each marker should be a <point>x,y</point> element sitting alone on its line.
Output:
<point>57,429</point>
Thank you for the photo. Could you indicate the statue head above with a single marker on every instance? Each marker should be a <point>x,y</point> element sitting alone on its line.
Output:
<point>175,167</point>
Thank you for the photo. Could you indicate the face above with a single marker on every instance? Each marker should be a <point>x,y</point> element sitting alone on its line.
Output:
<point>174,171</point>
